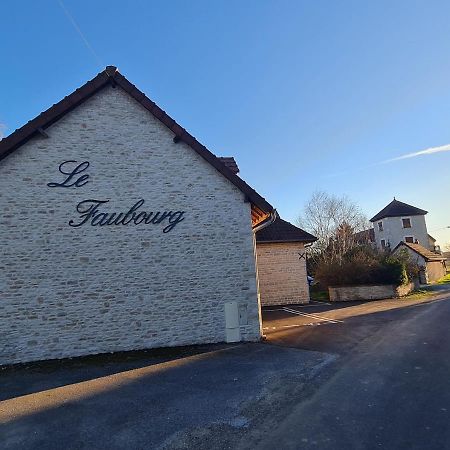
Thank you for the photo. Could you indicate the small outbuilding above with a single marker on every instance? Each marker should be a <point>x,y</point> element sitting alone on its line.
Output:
<point>432,264</point>
<point>281,260</point>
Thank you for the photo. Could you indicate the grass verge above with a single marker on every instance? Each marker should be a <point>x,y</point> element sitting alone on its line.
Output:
<point>419,294</point>
<point>445,280</point>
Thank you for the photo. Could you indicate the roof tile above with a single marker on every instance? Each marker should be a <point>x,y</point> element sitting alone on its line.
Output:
<point>422,251</point>
<point>398,209</point>
<point>283,231</point>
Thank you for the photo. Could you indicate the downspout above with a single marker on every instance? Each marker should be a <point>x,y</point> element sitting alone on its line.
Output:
<point>269,221</point>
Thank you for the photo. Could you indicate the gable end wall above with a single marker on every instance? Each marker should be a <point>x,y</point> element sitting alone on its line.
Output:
<point>282,273</point>
<point>74,291</point>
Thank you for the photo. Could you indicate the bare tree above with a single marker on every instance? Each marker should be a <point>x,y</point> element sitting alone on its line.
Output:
<point>334,221</point>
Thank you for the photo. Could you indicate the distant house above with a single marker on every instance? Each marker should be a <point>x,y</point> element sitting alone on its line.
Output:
<point>400,222</point>
<point>432,265</point>
<point>281,261</point>
<point>365,236</point>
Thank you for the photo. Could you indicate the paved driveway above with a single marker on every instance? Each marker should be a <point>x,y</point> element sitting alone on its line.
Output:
<point>389,388</point>
<point>328,376</point>
<point>336,327</point>
<point>146,402</point>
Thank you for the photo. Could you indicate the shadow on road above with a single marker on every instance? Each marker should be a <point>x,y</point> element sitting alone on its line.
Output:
<point>144,407</point>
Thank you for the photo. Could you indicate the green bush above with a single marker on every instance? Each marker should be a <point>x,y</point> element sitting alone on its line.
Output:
<point>365,265</point>
<point>396,271</point>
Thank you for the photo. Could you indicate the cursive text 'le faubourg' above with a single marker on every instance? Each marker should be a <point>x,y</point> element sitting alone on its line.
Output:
<point>89,209</point>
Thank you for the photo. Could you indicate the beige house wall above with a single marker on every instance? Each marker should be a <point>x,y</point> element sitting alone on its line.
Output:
<point>282,273</point>
<point>69,291</point>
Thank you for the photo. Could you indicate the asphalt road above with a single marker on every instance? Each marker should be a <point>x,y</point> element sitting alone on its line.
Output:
<point>202,398</point>
<point>389,389</point>
<point>344,376</point>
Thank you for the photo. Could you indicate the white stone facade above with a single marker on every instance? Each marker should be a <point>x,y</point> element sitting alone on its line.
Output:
<point>282,273</point>
<point>69,291</point>
<point>393,231</point>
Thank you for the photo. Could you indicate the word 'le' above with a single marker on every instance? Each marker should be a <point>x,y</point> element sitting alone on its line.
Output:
<point>71,179</point>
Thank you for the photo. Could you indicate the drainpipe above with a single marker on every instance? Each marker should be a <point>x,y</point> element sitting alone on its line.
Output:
<point>233,312</point>
<point>269,221</point>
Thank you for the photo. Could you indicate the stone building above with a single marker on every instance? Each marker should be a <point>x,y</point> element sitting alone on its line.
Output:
<point>432,265</point>
<point>120,231</point>
<point>281,257</point>
<point>400,222</point>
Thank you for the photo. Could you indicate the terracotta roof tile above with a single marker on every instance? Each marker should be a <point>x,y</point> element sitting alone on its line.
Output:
<point>422,251</point>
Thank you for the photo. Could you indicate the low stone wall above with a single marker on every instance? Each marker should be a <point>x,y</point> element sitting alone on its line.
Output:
<point>372,292</point>
<point>401,291</point>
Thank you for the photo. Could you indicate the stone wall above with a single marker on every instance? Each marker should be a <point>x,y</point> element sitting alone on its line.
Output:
<point>70,291</point>
<point>401,291</point>
<point>373,292</point>
<point>282,273</point>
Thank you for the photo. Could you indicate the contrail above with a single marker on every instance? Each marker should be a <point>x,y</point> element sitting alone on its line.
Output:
<point>427,151</point>
<point>78,30</point>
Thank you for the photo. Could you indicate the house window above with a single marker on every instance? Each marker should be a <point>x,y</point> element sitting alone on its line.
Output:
<point>409,239</point>
<point>380,226</point>
<point>406,223</point>
<point>383,243</point>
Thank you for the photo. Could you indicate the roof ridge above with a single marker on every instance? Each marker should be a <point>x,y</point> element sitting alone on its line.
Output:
<point>421,250</point>
<point>396,208</point>
<point>111,76</point>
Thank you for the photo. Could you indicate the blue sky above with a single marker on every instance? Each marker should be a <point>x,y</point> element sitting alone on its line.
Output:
<point>305,95</point>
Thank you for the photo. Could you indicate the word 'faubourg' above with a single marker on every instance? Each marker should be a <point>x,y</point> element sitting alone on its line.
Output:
<point>89,209</point>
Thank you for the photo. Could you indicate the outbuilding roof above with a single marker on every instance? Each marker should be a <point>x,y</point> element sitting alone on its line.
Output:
<point>398,209</point>
<point>428,255</point>
<point>282,231</point>
<point>261,208</point>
